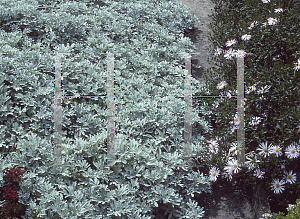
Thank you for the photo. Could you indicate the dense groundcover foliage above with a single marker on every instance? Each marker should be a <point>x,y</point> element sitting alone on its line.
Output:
<point>149,108</point>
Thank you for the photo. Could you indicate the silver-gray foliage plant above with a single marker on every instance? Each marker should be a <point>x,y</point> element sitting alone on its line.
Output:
<point>149,130</point>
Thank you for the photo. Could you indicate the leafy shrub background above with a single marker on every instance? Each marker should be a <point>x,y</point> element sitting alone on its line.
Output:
<point>149,130</point>
<point>275,49</point>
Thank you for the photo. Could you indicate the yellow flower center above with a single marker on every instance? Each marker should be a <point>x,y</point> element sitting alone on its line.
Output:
<point>289,177</point>
<point>292,151</point>
<point>277,149</point>
<point>235,165</point>
<point>277,185</point>
<point>213,145</point>
<point>266,149</point>
<point>214,174</point>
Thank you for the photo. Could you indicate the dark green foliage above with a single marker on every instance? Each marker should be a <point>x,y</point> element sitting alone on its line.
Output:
<point>275,51</point>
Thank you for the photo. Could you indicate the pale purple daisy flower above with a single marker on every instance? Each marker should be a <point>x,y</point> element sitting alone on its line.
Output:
<point>277,186</point>
<point>259,174</point>
<point>276,150</point>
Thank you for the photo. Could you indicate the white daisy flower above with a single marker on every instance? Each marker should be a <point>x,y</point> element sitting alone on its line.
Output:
<point>251,160</point>
<point>232,165</point>
<point>246,37</point>
<point>215,104</point>
<point>228,174</point>
<point>277,186</point>
<point>265,23</point>
<point>229,94</point>
<point>291,152</point>
<point>298,65</point>
<point>214,146</point>
<point>252,88</point>
<point>290,207</point>
<point>230,42</point>
<point>214,173</point>
<point>252,25</point>
<point>230,53</point>
<point>278,10</point>
<point>255,121</point>
<point>218,51</point>
<point>290,177</point>
<point>232,151</point>
<point>272,21</point>
<point>236,120</point>
<point>263,147</point>
<point>265,1</point>
<point>232,129</point>
<point>221,85</point>
<point>259,174</point>
<point>250,154</point>
<point>276,150</point>
<point>264,89</point>
<point>240,53</point>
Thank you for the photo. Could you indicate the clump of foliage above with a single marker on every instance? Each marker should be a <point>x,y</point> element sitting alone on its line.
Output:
<point>149,108</point>
<point>293,212</point>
